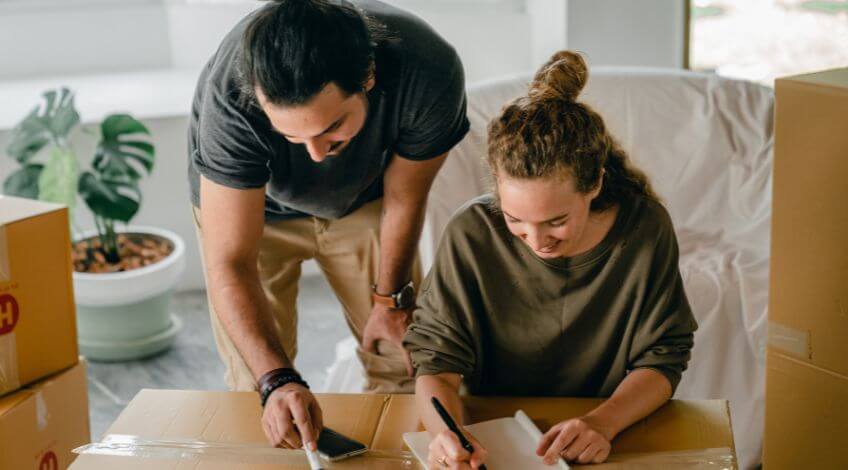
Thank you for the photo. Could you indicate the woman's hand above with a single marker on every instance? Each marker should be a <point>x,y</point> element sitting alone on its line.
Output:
<point>446,452</point>
<point>577,440</point>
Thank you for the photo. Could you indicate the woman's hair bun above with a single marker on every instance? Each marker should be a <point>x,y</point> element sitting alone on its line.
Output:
<point>562,77</point>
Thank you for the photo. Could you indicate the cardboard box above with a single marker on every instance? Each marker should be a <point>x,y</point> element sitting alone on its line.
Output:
<point>680,425</point>
<point>807,361</point>
<point>806,416</point>
<point>222,418</point>
<point>37,313</point>
<point>41,424</point>
<point>228,423</point>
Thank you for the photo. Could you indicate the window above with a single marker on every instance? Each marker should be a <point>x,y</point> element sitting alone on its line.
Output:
<point>760,40</point>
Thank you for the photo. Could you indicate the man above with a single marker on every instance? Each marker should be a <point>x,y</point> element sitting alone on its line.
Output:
<point>316,131</point>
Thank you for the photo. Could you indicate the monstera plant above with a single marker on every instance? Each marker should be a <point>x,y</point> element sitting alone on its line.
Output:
<point>109,189</point>
<point>123,276</point>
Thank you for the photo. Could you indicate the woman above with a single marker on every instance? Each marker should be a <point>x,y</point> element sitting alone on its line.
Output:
<point>562,283</point>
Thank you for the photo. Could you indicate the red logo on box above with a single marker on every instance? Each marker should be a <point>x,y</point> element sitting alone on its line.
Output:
<point>9,313</point>
<point>49,461</point>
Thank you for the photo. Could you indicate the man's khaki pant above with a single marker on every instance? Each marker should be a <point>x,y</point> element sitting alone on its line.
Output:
<point>347,251</point>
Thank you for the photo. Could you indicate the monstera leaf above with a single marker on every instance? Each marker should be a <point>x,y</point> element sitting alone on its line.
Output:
<point>118,159</point>
<point>110,199</point>
<point>24,182</point>
<point>58,180</point>
<point>50,121</point>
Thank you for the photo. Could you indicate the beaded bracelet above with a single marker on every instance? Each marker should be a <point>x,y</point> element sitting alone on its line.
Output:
<point>275,379</point>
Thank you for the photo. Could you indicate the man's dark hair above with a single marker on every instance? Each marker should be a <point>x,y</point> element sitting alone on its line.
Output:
<point>291,49</point>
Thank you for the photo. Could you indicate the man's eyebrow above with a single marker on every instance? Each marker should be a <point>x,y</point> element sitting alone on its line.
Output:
<point>328,129</point>
<point>543,222</point>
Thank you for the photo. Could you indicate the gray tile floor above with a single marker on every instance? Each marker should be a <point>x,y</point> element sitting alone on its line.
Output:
<point>193,362</point>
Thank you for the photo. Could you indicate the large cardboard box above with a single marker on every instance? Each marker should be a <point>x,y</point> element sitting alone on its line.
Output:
<point>212,430</point>
<point>163,423</point>
<point>681,434</point>
<point>41,424</point>
<point>37,314</point>
<point>807,361</point>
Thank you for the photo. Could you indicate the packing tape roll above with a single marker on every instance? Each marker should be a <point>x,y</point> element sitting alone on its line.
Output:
<point>9,378</point>
<point>249,453</point>
<point>790,340</point>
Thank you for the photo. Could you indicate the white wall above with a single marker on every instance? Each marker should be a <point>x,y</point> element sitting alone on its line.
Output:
<point>492,41</point>
<point>616,32</point>
<point>196,29</point>
<point>43,37</point>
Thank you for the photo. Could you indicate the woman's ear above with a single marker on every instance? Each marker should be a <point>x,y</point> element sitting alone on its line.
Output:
<point>598,187</point>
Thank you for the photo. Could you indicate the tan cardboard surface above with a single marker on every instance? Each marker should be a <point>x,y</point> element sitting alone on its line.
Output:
<point>37,312</point>
<point>679,425</point>
<point>836,78</point>
<point>232,417</point>
<point>807,361</point>
<point>42,423</point>
<point>13,209</point>
<point>379,421</point>
<point>806,415</point>
<point>809,257</point>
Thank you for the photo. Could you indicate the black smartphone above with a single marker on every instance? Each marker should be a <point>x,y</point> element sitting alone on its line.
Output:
<point>334,446</point>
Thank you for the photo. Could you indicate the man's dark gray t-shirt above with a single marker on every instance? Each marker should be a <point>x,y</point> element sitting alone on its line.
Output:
<point>417,110</point>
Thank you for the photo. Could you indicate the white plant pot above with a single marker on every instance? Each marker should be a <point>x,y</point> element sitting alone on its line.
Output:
<point>126,315</point>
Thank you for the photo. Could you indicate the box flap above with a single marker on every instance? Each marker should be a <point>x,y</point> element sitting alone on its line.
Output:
<point>222,417</point>
<point>678,425</point>
<point>9,401</point>
<point>234,416</point>
<point>12,400</point>
<point>834,78</point>
<point>13,209</point>
<point>806,419</point>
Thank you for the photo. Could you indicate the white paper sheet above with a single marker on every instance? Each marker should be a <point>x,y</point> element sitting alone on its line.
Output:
<point>511,443</point>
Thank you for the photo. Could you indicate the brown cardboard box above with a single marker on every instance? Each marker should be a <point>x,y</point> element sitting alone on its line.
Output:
<point>179,418</point>
<point>37,314</point>
<point>224,418</point>
<point>42,423</point>
<point>680,425</point>
<point>807,363</point>
<point>806,416</point>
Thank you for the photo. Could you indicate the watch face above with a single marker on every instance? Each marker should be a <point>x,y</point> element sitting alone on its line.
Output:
<point>406,296</point>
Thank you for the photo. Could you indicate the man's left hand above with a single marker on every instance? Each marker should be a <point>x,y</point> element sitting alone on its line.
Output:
<point>390,325</point>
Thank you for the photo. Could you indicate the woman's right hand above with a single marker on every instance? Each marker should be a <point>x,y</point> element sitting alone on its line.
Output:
<point>446,452</point>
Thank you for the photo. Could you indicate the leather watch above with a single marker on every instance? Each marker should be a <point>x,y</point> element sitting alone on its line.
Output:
<point>402,299</point>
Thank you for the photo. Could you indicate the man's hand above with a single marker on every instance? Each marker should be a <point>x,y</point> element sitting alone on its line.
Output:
<point>580,440</point>
<point>292,417</point>
<point>390,325</point>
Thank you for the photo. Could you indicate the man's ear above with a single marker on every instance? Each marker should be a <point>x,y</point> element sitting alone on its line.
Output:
<point>371,80</point>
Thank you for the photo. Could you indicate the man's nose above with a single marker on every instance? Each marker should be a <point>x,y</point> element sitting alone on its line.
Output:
<point>317,149</point>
